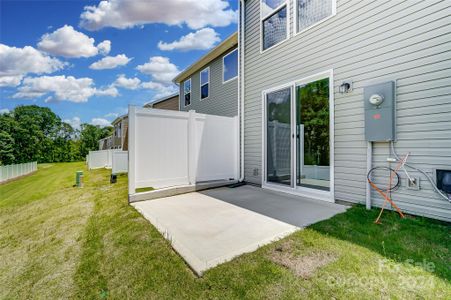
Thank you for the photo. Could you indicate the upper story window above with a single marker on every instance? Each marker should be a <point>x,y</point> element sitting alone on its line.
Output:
<point>205,83</point>
<point>187,91</point>
<point>274,20</point>
<point>117,130</point>
<point>310,12</point>
<point>230,66</point>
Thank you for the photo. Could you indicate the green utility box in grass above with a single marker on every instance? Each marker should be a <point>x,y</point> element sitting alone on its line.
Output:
<point>79,178</point>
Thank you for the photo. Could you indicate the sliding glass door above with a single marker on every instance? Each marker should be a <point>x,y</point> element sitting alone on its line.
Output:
<point>312,135</point>
<point>298,138</point>
<point>278,137</point>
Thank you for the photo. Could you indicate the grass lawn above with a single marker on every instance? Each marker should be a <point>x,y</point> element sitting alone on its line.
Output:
<point>58,241</point>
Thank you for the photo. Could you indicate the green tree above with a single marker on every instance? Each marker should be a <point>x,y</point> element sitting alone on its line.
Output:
<point>33,133</point>
<point>90,136</point>
<point>6,148</point>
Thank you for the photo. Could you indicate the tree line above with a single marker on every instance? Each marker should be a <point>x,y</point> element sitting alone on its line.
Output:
<point>33,133</point>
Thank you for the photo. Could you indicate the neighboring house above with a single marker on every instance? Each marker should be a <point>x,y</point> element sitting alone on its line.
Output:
<point>106,143</point>
<point>210,85</point>
<point>118,140</point>
<point>170,102</point>
<point>306,72</point>
<point>120,125</point>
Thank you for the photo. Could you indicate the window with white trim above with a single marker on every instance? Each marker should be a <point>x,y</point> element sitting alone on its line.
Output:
<point>273,14</point>
<point>205,83</point>
<point>310,12</point>
<point>230,66</point>
<point>187,91</point>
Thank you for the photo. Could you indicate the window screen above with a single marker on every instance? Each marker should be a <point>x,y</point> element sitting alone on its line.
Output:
<point>312,11</point>
<point>275,28</point>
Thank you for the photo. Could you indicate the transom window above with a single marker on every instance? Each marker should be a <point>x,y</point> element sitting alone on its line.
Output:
<point>230,66</point>
<point>205,83</point>
<point>274,22</point>
<point>310,12</point>
<point>187,91</point>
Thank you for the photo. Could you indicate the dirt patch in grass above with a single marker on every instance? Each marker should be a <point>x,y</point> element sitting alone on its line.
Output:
<point>303,266</point>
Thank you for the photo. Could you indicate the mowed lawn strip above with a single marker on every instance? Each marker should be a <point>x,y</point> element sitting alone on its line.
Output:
<point>58,241</point>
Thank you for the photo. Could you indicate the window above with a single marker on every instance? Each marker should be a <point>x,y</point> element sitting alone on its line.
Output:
<point>274,22</point>
<point>187,91</point>
<point>310,12</point>
<point>230,66</point>
<point>205,83</point>
<point>117,130</point>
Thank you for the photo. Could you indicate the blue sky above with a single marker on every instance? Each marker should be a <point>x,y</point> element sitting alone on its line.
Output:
<point>47,52</point>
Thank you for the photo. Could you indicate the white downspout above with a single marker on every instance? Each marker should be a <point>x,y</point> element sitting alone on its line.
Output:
<point>241,82</point>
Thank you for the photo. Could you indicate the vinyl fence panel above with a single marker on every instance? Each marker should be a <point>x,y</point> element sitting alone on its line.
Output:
<point>216,149</point>
<point>101,159</point>
<point>119,162</point>
<point>12,171</point>
<point>170,148</point>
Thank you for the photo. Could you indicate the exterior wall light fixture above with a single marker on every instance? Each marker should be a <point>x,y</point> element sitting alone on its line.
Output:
<point>345,87</point>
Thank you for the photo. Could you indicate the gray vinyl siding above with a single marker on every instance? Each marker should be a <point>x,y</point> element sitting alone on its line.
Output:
<point>223,97</point>
<point>366,42</point>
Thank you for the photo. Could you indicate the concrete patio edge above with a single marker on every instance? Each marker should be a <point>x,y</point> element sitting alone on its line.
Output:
<point>199,266</point>
<point>178,190</point>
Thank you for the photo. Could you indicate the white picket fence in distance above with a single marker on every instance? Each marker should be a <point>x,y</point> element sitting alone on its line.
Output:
<point>170,148</point>
<point>12,171</point>
<point>101,159</point>
<point>119,162</point>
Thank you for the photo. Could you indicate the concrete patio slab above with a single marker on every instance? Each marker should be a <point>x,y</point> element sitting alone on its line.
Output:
<point>206,231</point>
<point>291,209</point>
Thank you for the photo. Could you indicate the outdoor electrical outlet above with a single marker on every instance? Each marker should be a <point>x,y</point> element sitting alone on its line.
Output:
<point>414,184</point>
<point>255,173</point>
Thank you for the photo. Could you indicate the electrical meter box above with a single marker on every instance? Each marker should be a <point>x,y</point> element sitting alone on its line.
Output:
<point>380,112</point>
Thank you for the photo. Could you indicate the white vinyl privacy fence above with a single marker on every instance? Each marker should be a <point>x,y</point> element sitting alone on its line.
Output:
<point>12,171</point>
<point>170,148</point>
<point>100,159</point>
<point>119,162</point>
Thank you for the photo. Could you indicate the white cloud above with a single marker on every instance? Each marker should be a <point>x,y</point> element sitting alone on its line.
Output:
<point>62,88</point>
<point>110,62</point>
<point>68,42</point>
<point>100,122</point>
<point>10,80</point>
<point>109,91</point>
<point>4,111</point>
<point>127,83</point>
<point>75,122</point>
<point>160,68</point>
<point>118,111</point>
<point>104,47</point>
<point>160,89</point>
<point>125,13</point>
<point>202,39</point>
<point>111,115</point>
<point>17,62</point>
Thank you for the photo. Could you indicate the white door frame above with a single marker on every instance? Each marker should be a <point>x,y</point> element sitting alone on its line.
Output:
<point>293,188</point>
